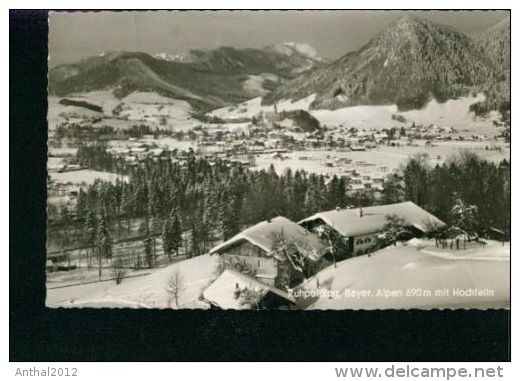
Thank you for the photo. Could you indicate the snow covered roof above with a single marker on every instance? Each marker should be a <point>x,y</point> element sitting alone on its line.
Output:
<point>264,233</point>
<point>222,291</point>
<point>349,223</point>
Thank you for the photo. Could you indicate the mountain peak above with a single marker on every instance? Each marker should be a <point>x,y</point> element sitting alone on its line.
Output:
<point>301,48</point>
<point>177,57</point>
<point>413,23</point>
<point>206,78</point>
<point>409,62</point>
<point>409,20</point>
<point>111,54</point>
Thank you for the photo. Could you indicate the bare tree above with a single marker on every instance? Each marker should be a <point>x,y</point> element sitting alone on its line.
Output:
<point>338,246</point>
<point>292,250</point>
<point>251,298</point>
<point>393,229</point>
<point>175,287</point>
<point>118,270</point>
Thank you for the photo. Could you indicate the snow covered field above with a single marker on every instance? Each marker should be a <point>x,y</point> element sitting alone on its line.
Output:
<point>84,176</point>
<point>414,275</point>
<point>62,151</point>
<point>138,107</point>
<point>253,107</point>
<point>142,292</point>
<point>158,111</point>
<point>454,113</point>
<point>382,156</point>
<point>57,112</point>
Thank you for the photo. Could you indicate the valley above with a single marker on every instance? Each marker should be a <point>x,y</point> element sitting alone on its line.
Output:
<point>156,160</point>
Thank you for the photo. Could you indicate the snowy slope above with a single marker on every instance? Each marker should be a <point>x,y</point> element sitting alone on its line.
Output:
<point>145,292</point>
<point>289,48</point>
<point>398,277</point>
<point>85,176</point>
<point>454,113</point>
<point>410,272</point>
<point>254,107</point>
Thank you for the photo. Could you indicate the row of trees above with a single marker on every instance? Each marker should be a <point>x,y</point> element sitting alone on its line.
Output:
<point>212,198</point>
<point>99,240</point>
<point>194,205</point>
<point>91,132</point>
<point>466,178</point>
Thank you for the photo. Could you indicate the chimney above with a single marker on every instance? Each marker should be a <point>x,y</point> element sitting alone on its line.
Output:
<point>360,212</point>
<point>338,208</point>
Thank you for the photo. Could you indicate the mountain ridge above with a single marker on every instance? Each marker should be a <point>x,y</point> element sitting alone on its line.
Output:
<point>410,62</point>
<point>495,42</point>
<point>207,79</point>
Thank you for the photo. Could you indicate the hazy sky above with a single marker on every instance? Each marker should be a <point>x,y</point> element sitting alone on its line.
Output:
<point>73,36</point>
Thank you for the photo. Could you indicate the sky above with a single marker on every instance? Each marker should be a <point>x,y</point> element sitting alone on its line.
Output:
<point>73,36</point>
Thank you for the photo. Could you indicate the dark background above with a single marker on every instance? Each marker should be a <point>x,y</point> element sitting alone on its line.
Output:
<point>37,333</point>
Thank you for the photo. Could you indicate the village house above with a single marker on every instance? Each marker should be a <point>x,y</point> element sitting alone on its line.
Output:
<point>361,227</point>
<point>256,251</point>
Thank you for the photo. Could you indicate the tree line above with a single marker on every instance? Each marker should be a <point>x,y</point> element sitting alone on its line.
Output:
<point>466,178</point>
<point>201,202</point>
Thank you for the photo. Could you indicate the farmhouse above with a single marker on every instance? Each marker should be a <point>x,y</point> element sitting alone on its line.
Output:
<point>258,250</point>
<point>360,227</point>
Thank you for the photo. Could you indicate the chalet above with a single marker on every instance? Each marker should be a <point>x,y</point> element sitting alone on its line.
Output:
<point>254,251</point>
<point>225,293</point>
<point>360,227</point>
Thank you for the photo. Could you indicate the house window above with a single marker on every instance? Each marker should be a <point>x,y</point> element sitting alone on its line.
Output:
<point>367,240</point>
<point>359,242</point>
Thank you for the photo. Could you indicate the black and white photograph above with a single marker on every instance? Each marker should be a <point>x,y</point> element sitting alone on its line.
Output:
<point>288,160</point>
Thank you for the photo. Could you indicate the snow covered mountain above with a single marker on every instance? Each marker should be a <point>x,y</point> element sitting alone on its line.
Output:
<point>409,63</point>
<point>207,79</point>
<point>179,57</point>
<point>303,49</point>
